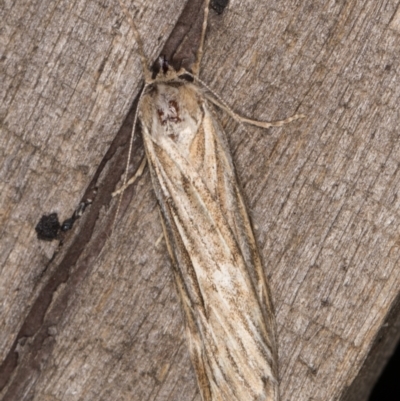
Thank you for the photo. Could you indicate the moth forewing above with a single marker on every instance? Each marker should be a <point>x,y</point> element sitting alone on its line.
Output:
<point>229,317</point>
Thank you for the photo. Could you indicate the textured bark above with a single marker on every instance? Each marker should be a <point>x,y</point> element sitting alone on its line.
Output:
<point>98,318</point>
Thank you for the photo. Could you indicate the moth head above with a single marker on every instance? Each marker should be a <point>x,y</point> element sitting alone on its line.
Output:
<point>162,70</point>
<point>160,66</point>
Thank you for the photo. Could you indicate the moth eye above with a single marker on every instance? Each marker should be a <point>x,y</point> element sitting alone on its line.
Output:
<point>186,77</point>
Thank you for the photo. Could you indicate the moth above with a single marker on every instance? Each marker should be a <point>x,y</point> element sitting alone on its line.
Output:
<point>229,316</point>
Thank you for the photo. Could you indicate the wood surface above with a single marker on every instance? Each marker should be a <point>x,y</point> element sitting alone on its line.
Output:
<point>97,317</point>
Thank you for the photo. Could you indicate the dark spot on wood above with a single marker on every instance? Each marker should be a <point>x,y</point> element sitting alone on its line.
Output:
<point>219,5</point>
<point>101,67</point>
<point>48,227</point>
<point>325,302</point>
<point>68,224</point>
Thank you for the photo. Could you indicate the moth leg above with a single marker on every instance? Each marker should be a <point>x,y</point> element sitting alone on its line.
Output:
<point>196,65</point>
<point>138,173</point>
<point>160,238</point>
<point>267,124</point>
<point>240,119</point>
<point>142,164</point>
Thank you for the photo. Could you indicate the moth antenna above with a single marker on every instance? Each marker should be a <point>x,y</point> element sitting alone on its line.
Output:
<point>196,65</point>
<point>241,120</point>
<point>138,39</point>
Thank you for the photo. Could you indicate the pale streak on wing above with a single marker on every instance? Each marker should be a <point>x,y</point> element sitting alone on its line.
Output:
<point>229,315</point>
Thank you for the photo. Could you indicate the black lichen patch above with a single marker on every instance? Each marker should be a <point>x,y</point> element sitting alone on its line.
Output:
<point>219,5</point>
<point>48,227</point>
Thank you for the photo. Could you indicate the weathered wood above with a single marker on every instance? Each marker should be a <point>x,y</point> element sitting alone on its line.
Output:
<point>100,320</point>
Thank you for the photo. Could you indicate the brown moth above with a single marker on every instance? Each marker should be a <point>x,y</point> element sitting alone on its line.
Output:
<point>229,316</point>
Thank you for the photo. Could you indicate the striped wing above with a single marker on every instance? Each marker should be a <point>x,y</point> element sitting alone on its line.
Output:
<point>230,323</point>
